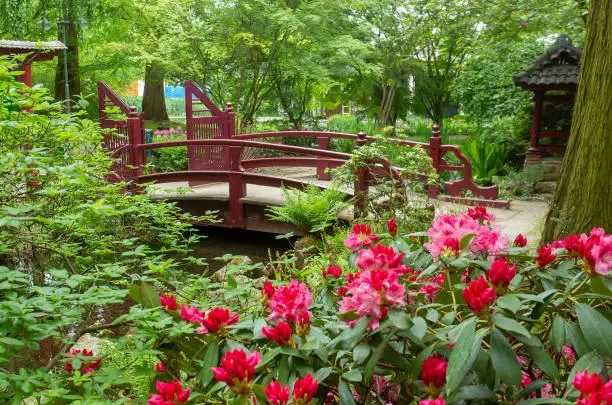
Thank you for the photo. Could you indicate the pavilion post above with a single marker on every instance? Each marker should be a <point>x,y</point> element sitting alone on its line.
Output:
<point>533,153</point>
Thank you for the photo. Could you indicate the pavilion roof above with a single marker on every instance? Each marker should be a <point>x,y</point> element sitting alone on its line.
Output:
<point>39,50</point>
<point>556,69</point>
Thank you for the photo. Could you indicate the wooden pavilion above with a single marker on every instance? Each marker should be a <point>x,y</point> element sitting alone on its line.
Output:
<point>553,78</point>
<point>35,51</point>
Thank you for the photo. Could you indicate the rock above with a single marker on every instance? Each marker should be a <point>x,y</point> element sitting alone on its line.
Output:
<point>546,187</point>
<point>220,275</point>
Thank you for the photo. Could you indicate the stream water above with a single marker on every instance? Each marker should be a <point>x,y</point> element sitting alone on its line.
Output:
<point>259,246</point>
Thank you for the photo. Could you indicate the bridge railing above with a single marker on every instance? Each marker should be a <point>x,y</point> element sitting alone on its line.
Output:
<point>238,176</point>
<point>437,151</point>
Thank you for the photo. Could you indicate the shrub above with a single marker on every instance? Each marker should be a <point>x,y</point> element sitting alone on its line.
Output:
<point>463,317</point>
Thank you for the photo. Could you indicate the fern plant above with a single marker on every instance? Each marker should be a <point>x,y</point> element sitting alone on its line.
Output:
<point>311,209</point>
<point>488,156</point>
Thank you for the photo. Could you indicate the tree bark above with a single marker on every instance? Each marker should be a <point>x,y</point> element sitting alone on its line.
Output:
<point>154,97</point>
<point>583,198</point>
<point>74,78</point>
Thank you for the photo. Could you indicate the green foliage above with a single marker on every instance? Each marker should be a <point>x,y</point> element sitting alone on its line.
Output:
<point>348,124</point>
<point>519,184</point>
<point>311,209</point>
<point>70,243</point>
<point>487,155</point>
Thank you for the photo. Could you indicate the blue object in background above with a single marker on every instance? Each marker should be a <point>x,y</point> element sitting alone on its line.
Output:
<point>174,91</point>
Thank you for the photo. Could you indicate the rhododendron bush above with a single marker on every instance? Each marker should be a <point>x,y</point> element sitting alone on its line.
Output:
<point>458,313</point>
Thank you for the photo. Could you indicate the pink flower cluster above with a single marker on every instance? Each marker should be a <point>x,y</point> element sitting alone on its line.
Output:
<point>592,389</point>
<point>170,393</point>
<point>376,288</point>
<point>361,236</point>
<point>164,133</point>
<point>88,365</point>
<point>595,250</point>
<point>215,322</point>
<point>290,303</point>
<point>448,230</point>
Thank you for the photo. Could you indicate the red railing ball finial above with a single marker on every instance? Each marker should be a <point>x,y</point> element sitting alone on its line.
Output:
<point>361,139</point>
<point>435,130</point>
<point>228,107</point>
<point>133,111</point>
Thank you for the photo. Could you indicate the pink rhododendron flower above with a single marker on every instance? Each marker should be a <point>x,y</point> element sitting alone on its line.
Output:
<point>170,393</point>
<point>437,401</point>
<point>383,388</point>
<point>276,393</point>
<point>281,334</point>
<point>432,287</point>
<point>160,367</point>
<point>333,271</point>
<point>500,274</point>
<point>191,314</point>
<point>289,301</point>
<point>216,320</point>
<point>447,227</point>
<point>592,389</point>
<point>545,256</point>
<point>481,215</point>
<point>87,366</point>
<point>568,355</point>
<point>392,227</point>
<point>168,301</point>
<point>237,370</point>
<point>489,241</point>
<point>370,293</point>
<point>433,373</point>
<point>304,390</point>
<point>303,324</point>
<point>520,241</point>
<point>361,236</point>
<point>381,257</point>
<point>478,295</point>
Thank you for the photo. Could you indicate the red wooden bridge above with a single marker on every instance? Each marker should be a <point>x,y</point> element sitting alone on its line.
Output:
<point>217,154</point>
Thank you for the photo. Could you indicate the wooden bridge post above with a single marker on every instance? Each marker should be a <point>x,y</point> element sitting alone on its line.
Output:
<point>135,138</point>
<point>237,188</point>
<point>322,164</point>
<point>435,142</point>
<point>361,181</point>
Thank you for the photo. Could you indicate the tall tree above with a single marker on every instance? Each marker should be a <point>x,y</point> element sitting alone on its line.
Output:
<point>583,199</point>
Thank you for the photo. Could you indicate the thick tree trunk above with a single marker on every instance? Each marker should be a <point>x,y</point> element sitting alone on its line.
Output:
<point>583,198</point>
<point>154,97</point>
<point>74,78</point>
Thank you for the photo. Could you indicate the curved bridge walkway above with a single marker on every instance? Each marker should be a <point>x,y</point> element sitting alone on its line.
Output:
<point>226,167</point>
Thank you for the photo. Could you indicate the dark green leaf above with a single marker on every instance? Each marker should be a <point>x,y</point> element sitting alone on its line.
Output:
<point>370,366</point>
<point>463,355</point>
<point>400,319</point>
<point>346,396</point>
<point>543,360</point>
<point>557,333</point>
<point>420,327</point>
<point>361,352</point>
<point>596,329</point>
<point>350,335</point>
<point>353,375</point>
<point>321,374</point>
<point>510,302</point>
<point>509,325</point>
<point>504,359</point>
<point>576,339</point>
<point>211,359</point>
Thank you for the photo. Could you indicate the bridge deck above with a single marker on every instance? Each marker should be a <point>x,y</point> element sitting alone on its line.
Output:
<point>524,217</point>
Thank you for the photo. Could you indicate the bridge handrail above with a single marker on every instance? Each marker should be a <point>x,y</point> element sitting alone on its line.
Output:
<point>324,134</point>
